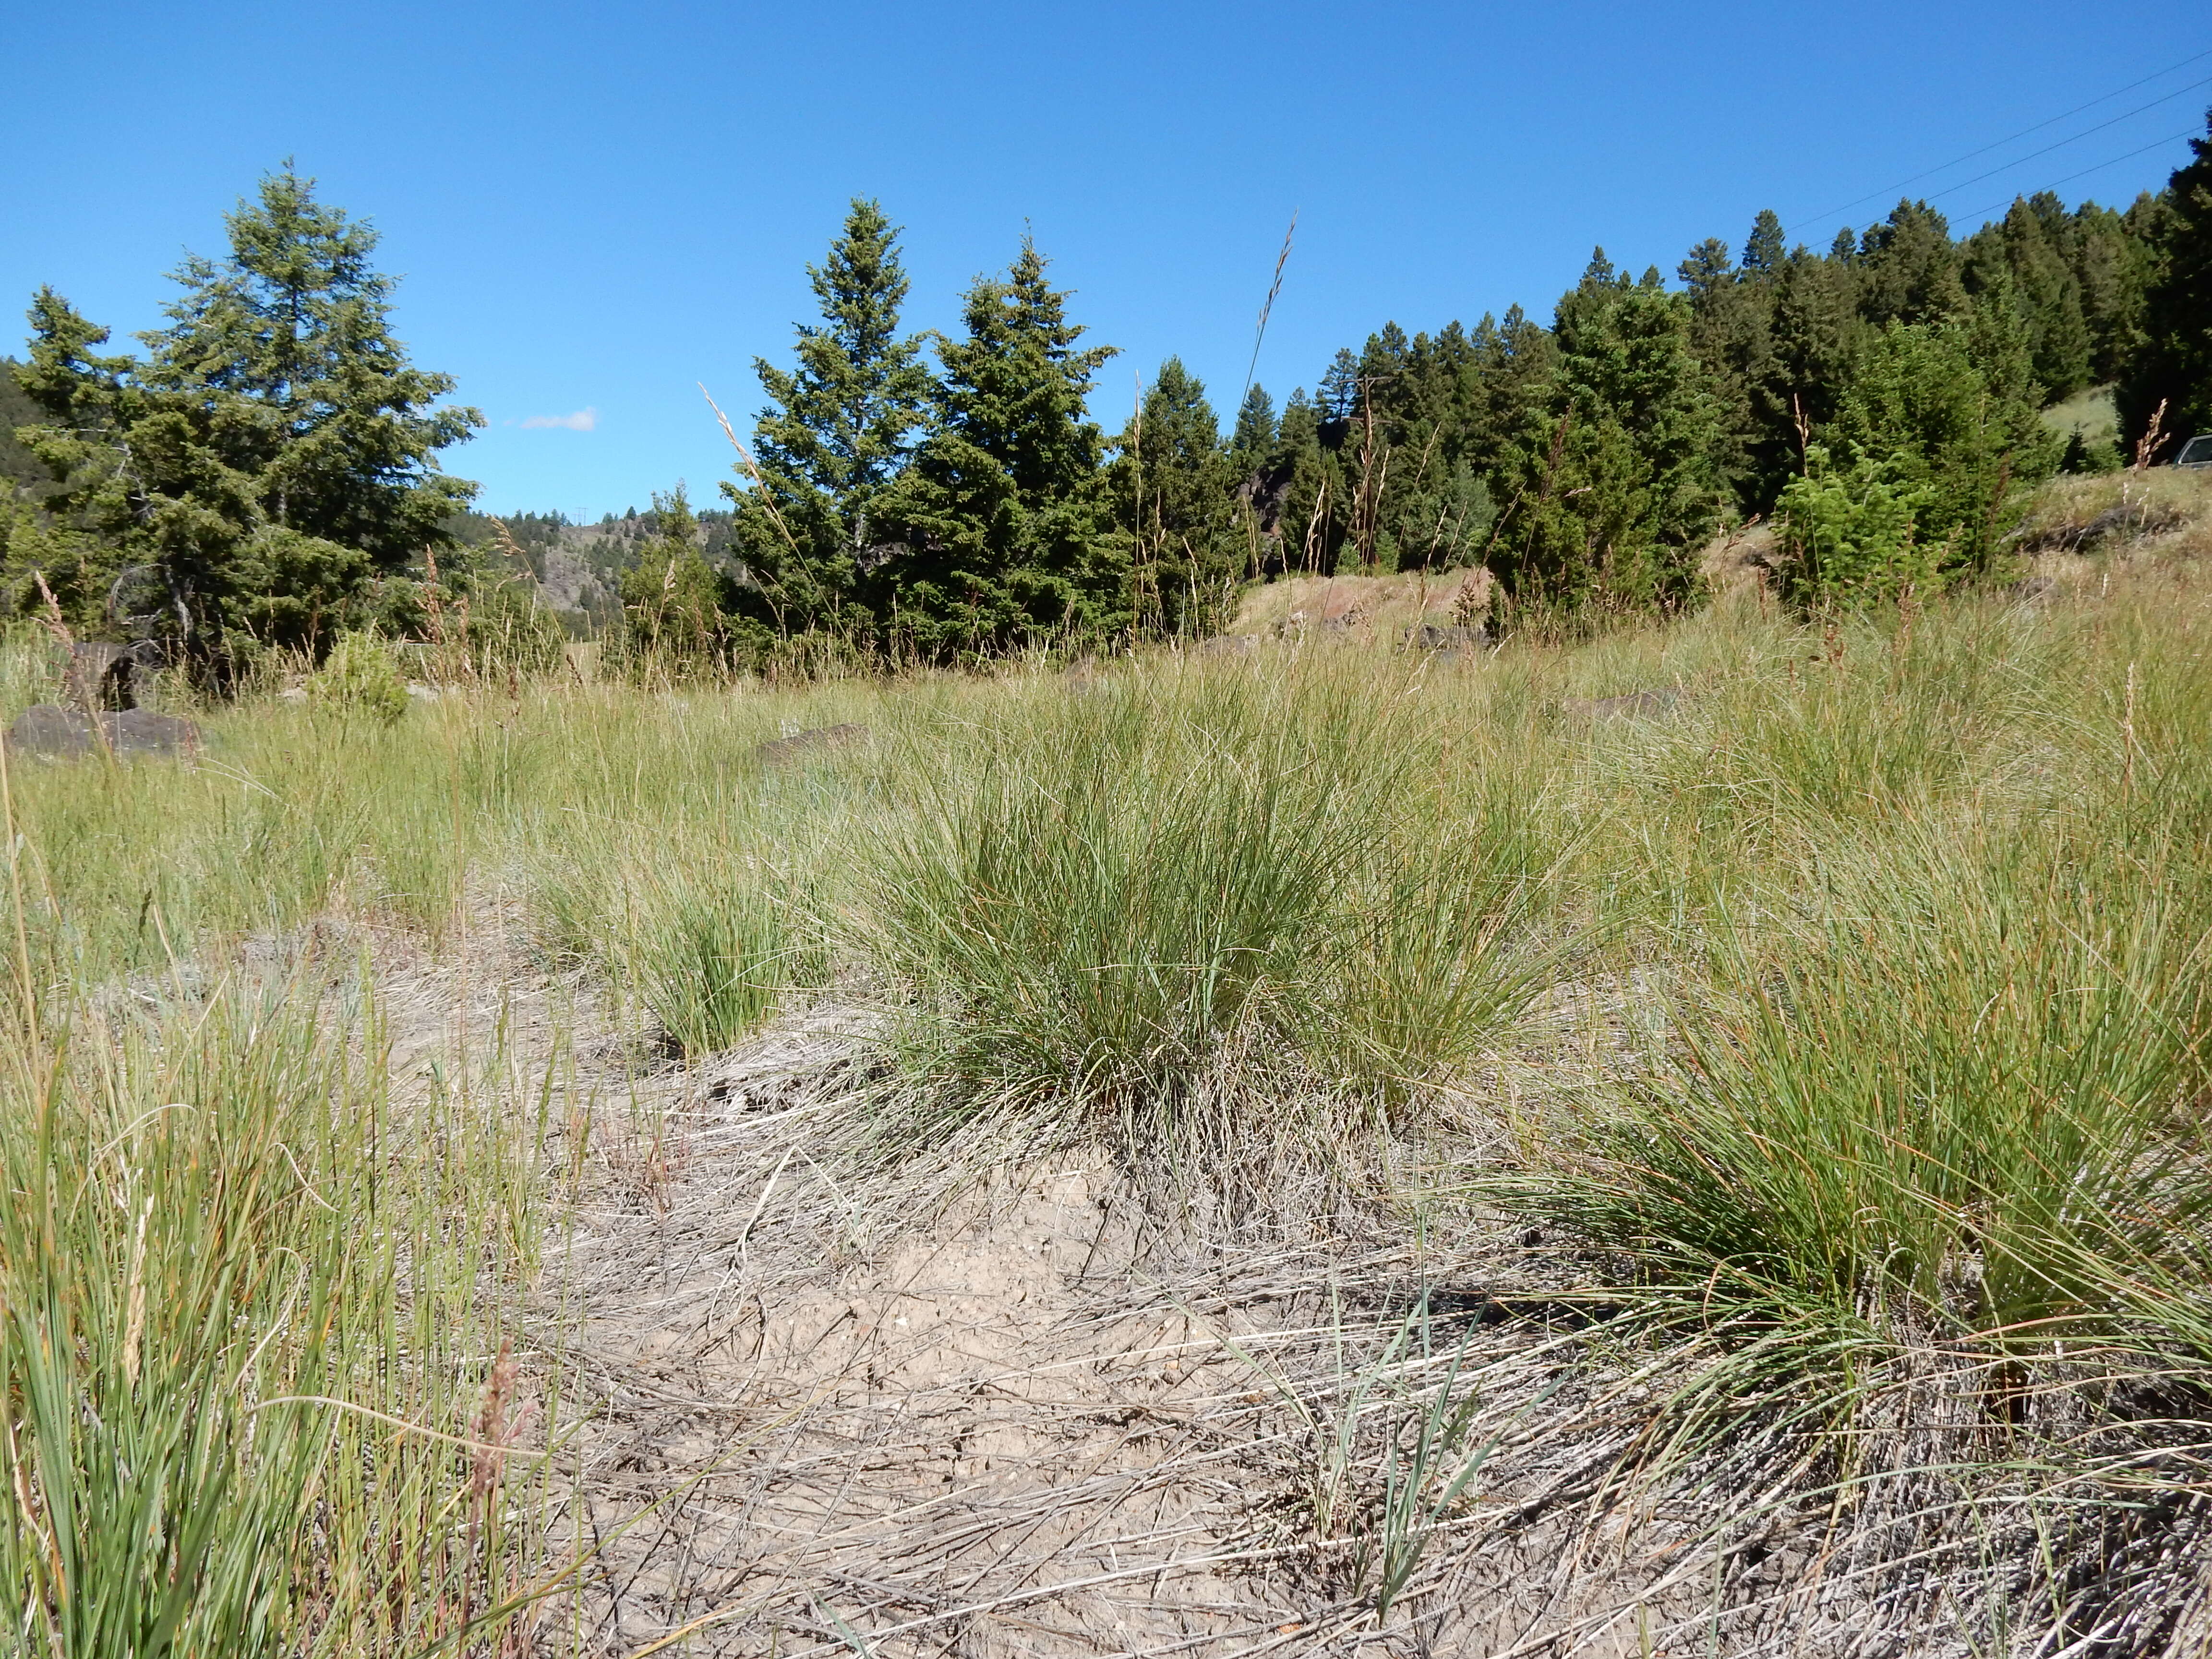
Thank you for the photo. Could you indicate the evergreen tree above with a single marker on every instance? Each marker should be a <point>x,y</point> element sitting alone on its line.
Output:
<point>839,427</point>
<point>1003,522</point>
<point>1763,249</point>
<point>1731,333</point>
<point>1951,408</point>
<point>673,621</point>
<point>1255,435</point>
<point>19,468</point>
<point>1290,496</point>
<point>1815,333</point>
<point>1339,396</point>
<point>2111,259</point>
<point>1512,371</point>
<point>2019,264</point>
<point>1171,486</point>
<point>2172,366</point>
<point>297,323</point>
<point>1908,269</point>
<point>1613,480</point>
<point>269,473</point>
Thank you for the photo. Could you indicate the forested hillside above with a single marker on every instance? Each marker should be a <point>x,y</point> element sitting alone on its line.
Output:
<point>901,499</point>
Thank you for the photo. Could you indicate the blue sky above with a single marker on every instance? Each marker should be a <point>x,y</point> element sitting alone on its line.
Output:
<point>596,208</point>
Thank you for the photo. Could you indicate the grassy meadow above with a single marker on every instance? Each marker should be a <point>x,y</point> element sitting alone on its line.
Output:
<point>1866,983</point>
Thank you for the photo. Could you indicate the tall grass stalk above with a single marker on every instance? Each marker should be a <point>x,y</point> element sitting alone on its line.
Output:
<point>228,1281</point>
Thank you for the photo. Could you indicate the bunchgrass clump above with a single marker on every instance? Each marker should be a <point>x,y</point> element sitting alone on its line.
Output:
<point>238,1291</point>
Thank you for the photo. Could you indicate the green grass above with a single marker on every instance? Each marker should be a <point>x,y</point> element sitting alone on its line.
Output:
<point>2090,413</point>
<point>1885,1024</point>
<point>244,1312</point>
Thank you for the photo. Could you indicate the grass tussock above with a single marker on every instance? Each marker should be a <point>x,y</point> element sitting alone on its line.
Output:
<point>244,1312</point>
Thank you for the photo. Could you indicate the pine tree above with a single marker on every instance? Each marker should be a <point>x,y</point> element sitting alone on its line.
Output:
<point>2018,264</point>
<point>297,322</point>
<point>1339,396</point>
<point>1003,522</point>
<point>1287,496</point>
<point>1763,249</point>
<point>839,427</point>
<point>672,600</point>
<point>1171,488</point>
<point>1951,408</point>
<point>1731,332</point>
<point>1908,269</point>
<point>269,471</point>
<point>2111,261</point>
<point>1255,431</point>
<point>2173,365</point>
<point>1613,478</point>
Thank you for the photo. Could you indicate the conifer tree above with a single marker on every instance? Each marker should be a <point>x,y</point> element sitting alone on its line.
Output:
<point>1731,333</point>
<point>839,427</point>
<point>1339,395</point>
<point>272,466</point>
<point>673,599</point>
<point>1291,493</point>
<point>1951,408</point>
<point>1255,435</point>
<point>2111,258</point>
<point>1614,478</point>
<point>1763,249</point>
<point>1171,486</point>
<point>1003,522</point>
<point>2018,264</point>
<point>2173,365</point>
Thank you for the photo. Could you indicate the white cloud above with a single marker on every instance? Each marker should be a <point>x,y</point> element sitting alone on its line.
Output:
<point>584,420</point>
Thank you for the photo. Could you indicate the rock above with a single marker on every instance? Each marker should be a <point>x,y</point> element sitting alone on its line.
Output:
<point>1429,637</point>
<point>50,730</point>
<point>803,746</point>
<point>2132,521</point>
<point>1633,705</point>
<point>2032,590</point>
<point>59,734</point>
<point>143,732</point>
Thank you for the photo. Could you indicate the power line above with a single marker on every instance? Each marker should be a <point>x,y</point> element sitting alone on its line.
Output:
<point>1951,189</point>
<point>2189,132</point>
<point>1872,195</point>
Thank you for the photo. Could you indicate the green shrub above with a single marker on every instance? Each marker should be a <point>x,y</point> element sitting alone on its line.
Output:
<point>1853,537</point>
<point>359,680</point>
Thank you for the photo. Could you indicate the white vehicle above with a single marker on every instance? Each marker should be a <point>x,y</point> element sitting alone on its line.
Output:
<point>2198,451</point>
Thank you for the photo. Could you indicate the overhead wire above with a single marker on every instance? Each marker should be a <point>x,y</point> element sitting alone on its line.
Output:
<point>2187,132</point>
<point>1878,195</point>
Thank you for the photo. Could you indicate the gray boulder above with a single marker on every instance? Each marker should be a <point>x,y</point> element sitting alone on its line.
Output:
<point>1431,636</point>
<point>57,734</point>
<point>806,746</point>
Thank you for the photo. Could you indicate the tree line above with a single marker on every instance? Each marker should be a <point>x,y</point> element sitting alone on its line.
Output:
<point>265,475</point>
<point>1881,401</point>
